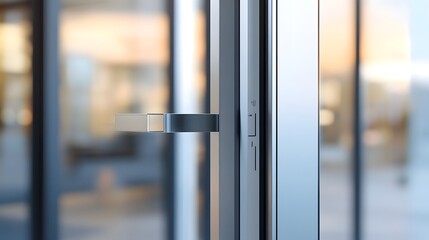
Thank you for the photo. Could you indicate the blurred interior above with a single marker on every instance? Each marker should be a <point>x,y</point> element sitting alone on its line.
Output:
<point>15,122</point>
<point>394,123</point>
<point>337,62</point>
<point>115,57</point>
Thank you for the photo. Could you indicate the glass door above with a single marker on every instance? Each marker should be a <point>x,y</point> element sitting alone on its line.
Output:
<point>103,58</point>
<point>132,57</point>
<point>162,120</point>
<point>114,57</point>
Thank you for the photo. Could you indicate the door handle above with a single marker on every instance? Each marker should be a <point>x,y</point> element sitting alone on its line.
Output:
<point>166,122</point>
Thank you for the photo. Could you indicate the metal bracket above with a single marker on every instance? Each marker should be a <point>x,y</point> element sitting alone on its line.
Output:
<point>166,122</point>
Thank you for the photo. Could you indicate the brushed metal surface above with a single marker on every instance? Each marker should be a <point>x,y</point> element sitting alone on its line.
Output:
<point>166,122</point>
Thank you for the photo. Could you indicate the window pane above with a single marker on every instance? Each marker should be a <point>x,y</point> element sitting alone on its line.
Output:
<point>395,108</point>
<point>115,58</point>
<point>337,35</point>
<point>15,122</point>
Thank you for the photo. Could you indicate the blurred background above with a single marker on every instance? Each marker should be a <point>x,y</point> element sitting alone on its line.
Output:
<point>117,56</point>
<point>394,94</point>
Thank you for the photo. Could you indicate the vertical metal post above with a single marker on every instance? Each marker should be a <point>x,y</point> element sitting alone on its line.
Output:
<point>357,144</point>
<point>229,99</point>
<point>271,124</point>
<point>45,137</point>
<point>186,101</point>
<point>37,173</point>
<point>252,63</point>
<point>248,217</point>
<point>170,191</point>
<point>214,108</point>
<point>225,100</point>
<point>206,166</point>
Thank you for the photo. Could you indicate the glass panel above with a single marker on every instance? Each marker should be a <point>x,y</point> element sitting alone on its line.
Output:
<point>115,57</point>
<point>336,102</point>
<point>15,122</point>
<point>395,77</point>
<point>385,53</point>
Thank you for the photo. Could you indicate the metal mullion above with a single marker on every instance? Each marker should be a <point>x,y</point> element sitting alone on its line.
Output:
<point>170,164</point>
<point>206,165</point>
<point>37,169</point>
<point>357,143</point>
<point>45,138</point>
<point>229,100</point>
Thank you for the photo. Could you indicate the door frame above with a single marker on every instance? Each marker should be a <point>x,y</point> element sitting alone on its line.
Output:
<point>293,119</point>
<point>225,93</point>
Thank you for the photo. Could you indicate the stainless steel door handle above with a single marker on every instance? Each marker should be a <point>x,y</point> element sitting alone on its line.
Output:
<point>166,122</point>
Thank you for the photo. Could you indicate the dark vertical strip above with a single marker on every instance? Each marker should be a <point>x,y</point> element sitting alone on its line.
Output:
<point>206,168</point>
<point>263,98</point>
<point>318,117</point>
<point>236,96</point>
<point>229,116</point>
<point>170,163</point>
<point>357,161</point>
<point>45,129</point>
<point>51,83</point>
<point>37,169</point>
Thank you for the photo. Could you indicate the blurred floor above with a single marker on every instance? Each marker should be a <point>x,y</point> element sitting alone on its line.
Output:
<point>130,213</point>
<point>386,208</point>
<point>13,221</point>
<point>14,165</point>
<point>387,213</point>
<point>334,205</point>
<point>136,212</point>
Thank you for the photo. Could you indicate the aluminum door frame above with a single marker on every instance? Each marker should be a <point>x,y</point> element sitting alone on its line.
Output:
<point>251,117</point>
<point>224,99</point>
<point>234,94</point>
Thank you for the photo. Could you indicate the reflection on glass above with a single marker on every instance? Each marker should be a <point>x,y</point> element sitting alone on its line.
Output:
<point>15,123</point>
<point>336,101</point>
<point>385,53</point>
<point>395,121</point>
<point>115,58</point>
